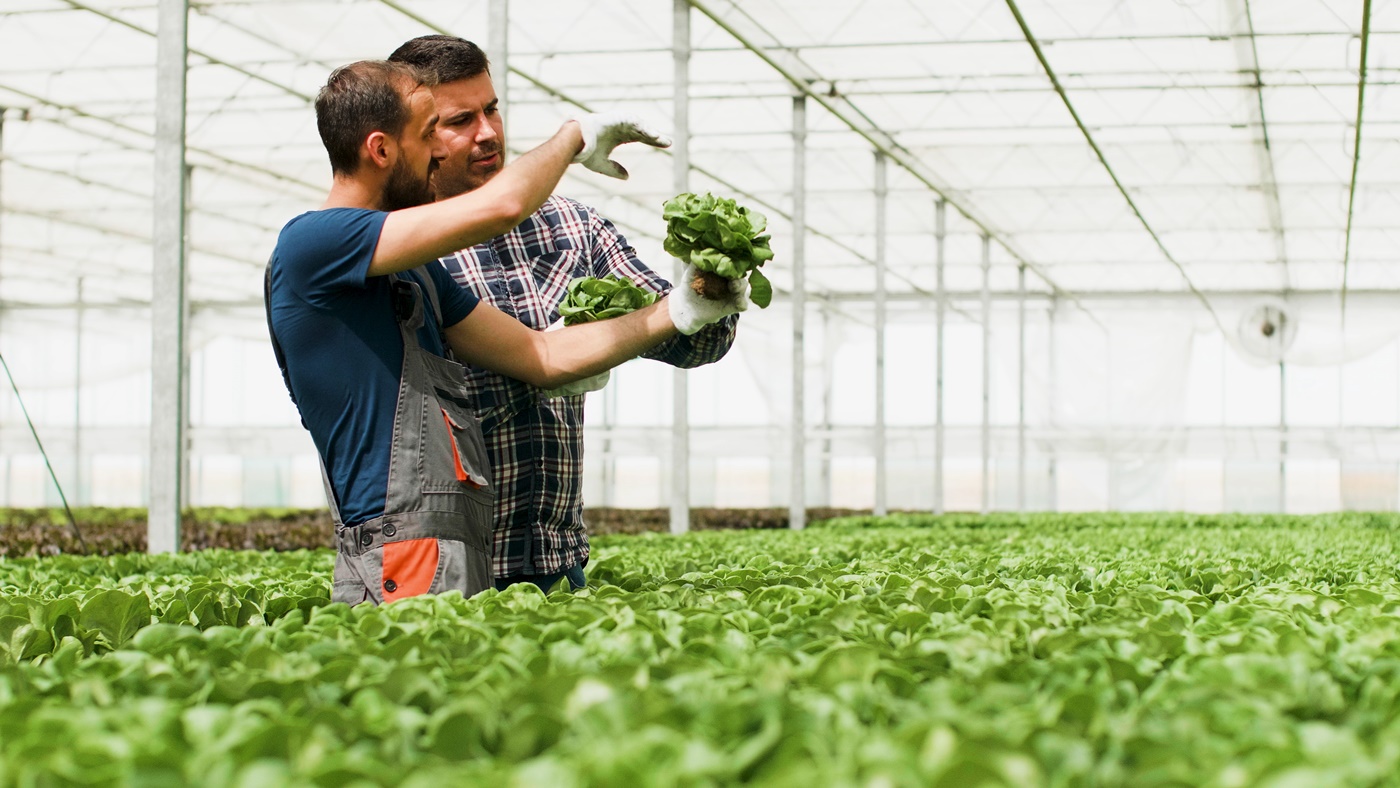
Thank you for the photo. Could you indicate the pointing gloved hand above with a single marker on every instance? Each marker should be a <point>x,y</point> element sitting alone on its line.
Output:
<point>594,383</point>
<point>691,312</point>
<point>604,131</point>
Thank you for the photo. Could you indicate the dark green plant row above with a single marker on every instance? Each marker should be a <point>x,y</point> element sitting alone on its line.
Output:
<point>1065,651</point>
<point>112,531</point>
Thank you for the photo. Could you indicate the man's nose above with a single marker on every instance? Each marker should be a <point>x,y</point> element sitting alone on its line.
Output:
<point>485,131</point>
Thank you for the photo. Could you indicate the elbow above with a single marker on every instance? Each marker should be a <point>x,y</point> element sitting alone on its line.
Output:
<point>551,377</point>
<point>507,211</point>
<point>541,371</point>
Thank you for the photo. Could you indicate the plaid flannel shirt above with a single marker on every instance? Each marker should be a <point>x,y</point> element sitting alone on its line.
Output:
<point>536,445</point>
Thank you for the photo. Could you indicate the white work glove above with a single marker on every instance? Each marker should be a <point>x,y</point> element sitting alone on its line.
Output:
<point>595,383</point>
<point>604,131</point>
<point>692,312</point>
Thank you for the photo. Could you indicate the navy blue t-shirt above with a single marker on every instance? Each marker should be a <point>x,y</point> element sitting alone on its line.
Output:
<point>344,353</point>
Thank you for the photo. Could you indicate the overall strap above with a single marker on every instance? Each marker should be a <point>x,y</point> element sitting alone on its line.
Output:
<point>419,285</point>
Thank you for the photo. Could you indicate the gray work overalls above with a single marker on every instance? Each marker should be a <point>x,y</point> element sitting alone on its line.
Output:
<point>435,533</point>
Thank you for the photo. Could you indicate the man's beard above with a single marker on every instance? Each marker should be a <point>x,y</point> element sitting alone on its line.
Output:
<point>406,190</point>
<point>454,178</point>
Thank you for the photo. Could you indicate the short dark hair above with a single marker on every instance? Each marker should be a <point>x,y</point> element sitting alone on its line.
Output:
<point>447,58</point>
<point>359,99</point>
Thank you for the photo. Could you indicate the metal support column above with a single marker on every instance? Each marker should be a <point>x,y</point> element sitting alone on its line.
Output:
<point>1052,381</point>
<point>986,374</point>
<point>940,235</point>
<point>881,242</point>
<point>828,375</point>
<point>78,496</point>
<point>1110,442</point>
<point>23,114</point>
<point>609,483</point>
<point>5,460</point>
<point>3,109</point>
<point>797,500</point>
<point>680,162</point>
<point>498,51</point>
<point>1282,439</point>
<point>1021,388</point>
<point>168,308</point>
<point>186,379</point>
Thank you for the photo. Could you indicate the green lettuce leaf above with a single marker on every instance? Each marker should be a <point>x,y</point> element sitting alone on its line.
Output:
<point>600,298</point>
<point>719,236</point>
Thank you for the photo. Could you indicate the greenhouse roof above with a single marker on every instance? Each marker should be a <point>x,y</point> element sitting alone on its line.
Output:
<point>1173,146</point>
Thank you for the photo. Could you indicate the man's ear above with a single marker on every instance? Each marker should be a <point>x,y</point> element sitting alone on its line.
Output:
<point>380,149</point>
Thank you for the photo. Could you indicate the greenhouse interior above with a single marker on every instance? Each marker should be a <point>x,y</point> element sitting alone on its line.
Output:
<point>1029,256</point>
<point>1058,443</point>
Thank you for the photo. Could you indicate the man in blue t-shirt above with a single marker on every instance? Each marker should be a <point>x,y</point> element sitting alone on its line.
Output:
<point>366,331</point>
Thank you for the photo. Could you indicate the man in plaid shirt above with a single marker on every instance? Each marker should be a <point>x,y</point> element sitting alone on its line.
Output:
<point>534,439</point>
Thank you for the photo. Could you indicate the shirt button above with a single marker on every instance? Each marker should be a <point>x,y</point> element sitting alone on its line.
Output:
<point>390,586</point>
<point>390,530</point>
<point>366,539</point>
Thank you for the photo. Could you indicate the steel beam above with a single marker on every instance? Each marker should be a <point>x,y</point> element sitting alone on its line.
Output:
<point>1248,46</point>
<point>1021,389</point>
<point>828,374</point>
<point>79,494</point>
<point>169,276</point>
<point>3,110</point>
<point>1283,438</point>
<point>940,237</point>
<point>797,500</point>
<point>1109,439</point>
<point>72,110</point>
<point>1052,377</point>
<point>498,51</point>
<point>1098,152</point>
<point>1356,147</point>
<point>680,169</point>
<point>825,46</point>
<point>881,242</point>
<point>986,374</point>
<point>806,80</point>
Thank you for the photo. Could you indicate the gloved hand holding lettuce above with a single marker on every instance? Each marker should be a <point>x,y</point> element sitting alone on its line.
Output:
<point>588,299</point>
<point>723,240</point>
<point>593,298</point>
<point>722,245</point>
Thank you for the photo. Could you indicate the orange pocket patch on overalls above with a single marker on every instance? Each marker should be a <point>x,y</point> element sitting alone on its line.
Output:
<point>409,568</point>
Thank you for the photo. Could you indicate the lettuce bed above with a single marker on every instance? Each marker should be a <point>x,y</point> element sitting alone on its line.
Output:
<point>1057,650</point>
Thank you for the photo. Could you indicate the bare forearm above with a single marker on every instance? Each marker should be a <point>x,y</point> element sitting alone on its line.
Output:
<point>415,236</point>
<point>490,339</point>
<point>588,349</point>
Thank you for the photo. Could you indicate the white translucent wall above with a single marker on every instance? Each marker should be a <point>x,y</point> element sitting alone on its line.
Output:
<point>1138,405</point>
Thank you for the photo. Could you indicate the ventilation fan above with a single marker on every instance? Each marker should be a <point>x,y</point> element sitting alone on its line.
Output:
<point>1267,329</point>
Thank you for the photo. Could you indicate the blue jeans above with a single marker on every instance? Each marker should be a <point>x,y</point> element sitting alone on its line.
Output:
<point>546,582</point>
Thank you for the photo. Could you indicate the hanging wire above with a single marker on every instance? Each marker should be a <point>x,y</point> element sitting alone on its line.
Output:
<point>1355,152</point>
<point>71,521</point>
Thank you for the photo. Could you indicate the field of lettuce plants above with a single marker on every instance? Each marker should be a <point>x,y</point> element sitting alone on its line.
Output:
<point>1058,650</point>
